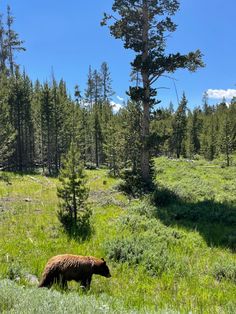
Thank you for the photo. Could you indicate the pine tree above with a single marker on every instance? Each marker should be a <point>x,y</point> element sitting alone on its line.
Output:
<point>7,132</point>
<point>3,51</point>
<point>227,131</point>
<point>47,125</point>
<point>161,131</point>
<point>73,193</point>
<point>142,25</point>
<point>97,116</point>
<point>105,108</point>
<point>131,126</point>
<point>61,114</point>
<point>36,116</point>
<point>193,133</point>
<point>89,92</point>
<point>106,81</point>
<point>113,146</point>
<point>21,118</point>
<point>12,42</point>
<point>179,127</point>
<point>209,137</point>
<point>89,101</point>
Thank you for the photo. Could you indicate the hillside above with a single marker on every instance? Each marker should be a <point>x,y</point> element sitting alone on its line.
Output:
<point>176,256</point>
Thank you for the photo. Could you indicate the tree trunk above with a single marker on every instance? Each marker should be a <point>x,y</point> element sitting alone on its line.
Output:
<point>145,167</point>
<point>145,156</point>
<point>96,148</point>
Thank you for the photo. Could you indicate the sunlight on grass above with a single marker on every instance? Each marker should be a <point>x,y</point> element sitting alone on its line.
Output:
<point>198,277</point>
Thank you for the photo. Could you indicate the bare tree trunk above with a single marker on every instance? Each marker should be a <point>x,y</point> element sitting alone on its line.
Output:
<point>145,156</point>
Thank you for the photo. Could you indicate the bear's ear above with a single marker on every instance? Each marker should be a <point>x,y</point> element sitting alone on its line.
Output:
<point>104,262</point>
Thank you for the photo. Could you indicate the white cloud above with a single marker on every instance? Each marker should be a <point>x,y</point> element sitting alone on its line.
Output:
<point>221,93</point>
<point>120,98</point>
<point>116,107</point>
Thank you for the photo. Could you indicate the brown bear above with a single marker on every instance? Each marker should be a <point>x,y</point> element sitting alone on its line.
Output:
<point>62,268</point>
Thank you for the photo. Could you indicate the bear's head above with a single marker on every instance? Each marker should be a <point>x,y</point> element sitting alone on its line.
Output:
<point>103,269</point>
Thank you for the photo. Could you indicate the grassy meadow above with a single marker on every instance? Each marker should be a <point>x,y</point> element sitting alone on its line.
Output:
<point>172,252</point>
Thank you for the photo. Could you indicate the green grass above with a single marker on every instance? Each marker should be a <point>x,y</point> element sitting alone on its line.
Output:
<point>199,196</point>
<point>174,257</point>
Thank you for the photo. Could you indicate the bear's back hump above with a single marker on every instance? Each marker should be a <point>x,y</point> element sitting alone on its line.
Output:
<point>69,262</point>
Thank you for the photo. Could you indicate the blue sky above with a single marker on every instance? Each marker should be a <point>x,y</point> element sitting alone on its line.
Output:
<point>66,36</point>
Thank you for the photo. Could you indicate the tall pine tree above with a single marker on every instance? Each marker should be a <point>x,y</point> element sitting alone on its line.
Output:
<point>142,25</point>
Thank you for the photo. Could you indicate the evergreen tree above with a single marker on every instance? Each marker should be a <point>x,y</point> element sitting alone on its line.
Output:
<point>142,25</point>
<point>89,101</point>
<point>73,192</point>
<point>21,118</point>
<point>3,51</point>
<point>193,133</point>
<point>61,110</point>
<point>131,125</point>
<point>7,132</point>
<point>12,42</point>
<point>97,116</point>
<point>161,131</point>
<point>179,127</point>
<point>114,146</point>
<point>36,115</point>
<point>209,137</point>
<point>105,108</point>
<point>47,125</point>
<point>227,131</point>
<point>105,75</point>
<point>89,92</point>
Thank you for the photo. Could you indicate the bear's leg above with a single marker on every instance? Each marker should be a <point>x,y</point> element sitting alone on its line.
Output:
<point>46,282</point>
<point>61,281</point>
<point>86,283</point>
<point>63,284</point>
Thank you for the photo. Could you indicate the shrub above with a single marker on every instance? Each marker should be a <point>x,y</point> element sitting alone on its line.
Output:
<point>17,299</point>
<point>14,272</point>
<point>142,250</point>
<point>157,261</point>
<point>5,177</point>
<point>125,250</point>
<point>144,208</point>
<point>133,184</point>
<point>225,270</point>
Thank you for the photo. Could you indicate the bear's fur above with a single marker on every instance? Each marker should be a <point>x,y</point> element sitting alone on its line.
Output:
<point>62,268</point>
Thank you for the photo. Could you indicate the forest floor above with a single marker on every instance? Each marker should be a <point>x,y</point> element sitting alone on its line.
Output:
<point>177,256</point>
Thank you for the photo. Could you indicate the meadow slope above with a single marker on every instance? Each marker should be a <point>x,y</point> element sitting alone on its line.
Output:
<point>176,254</point>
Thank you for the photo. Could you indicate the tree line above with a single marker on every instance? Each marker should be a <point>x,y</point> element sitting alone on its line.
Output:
<point>206,131</point>
<point>39,120</point>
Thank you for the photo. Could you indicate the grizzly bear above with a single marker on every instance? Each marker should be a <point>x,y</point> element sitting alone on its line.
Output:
<point>62,268</point>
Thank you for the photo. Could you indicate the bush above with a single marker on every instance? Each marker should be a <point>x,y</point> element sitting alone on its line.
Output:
<point>144,250</point>
<point>157,261</point>
<point>225,270</point>
<point>5,177</point>
<point>90,166</point>
<point>133,184</point>
<point>17,299</point>
<point>125,250</point>
<point>14,272</point>
<point>143,208</point>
